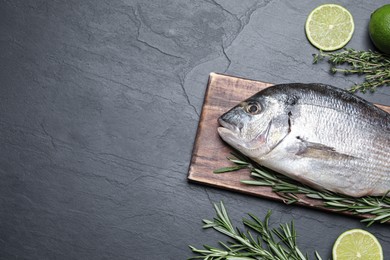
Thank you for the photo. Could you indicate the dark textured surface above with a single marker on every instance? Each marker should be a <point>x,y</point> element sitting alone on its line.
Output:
<point>99,105</point>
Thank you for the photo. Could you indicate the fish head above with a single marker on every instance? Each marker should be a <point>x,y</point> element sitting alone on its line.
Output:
<point>255,126</point>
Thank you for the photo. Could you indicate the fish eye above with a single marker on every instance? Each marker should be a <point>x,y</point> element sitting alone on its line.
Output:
<point>253,108</point>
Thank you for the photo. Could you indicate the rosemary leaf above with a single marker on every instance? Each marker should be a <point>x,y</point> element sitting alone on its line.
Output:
<point>248,245</point>
<point>229,169</point>
<point>375,209</point>
<point>258,183</point>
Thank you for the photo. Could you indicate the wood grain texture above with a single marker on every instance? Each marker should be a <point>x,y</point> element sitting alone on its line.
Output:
<point>210,152</point>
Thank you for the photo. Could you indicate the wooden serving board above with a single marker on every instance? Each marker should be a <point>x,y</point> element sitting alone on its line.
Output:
<point>210,152</point>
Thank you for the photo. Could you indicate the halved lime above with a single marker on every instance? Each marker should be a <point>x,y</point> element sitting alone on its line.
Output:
<point>329,27</point>
<point>357,244</point>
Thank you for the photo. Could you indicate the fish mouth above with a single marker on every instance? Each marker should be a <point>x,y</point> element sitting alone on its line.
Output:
<point>227,130</point>
<point>227,125</point>
<point>231,134</point>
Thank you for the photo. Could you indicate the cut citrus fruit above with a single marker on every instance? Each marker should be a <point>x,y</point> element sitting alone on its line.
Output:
<point>329,27</point>
<point>357,244</point>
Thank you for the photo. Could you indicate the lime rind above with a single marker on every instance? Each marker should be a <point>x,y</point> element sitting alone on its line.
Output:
<point>329,27</point>
<point>379,29</point>
<point>356,243</point>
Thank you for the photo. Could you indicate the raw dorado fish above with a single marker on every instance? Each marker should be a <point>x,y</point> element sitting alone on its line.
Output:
<point>317,134</point>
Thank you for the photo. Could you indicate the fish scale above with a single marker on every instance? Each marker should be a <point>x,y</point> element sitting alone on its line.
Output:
<point>315,133</point>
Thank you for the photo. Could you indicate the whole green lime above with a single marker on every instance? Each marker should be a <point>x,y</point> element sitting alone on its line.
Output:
<point>379,28</point>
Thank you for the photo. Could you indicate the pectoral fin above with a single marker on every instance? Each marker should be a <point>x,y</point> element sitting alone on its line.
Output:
<point>319,151</point>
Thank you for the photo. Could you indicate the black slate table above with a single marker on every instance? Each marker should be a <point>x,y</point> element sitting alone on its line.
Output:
<point>99,106</point>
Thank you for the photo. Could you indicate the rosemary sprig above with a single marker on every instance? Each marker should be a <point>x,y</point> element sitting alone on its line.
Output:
<point>373,209</point>
<point>268,244</point>
<point>375,66</point>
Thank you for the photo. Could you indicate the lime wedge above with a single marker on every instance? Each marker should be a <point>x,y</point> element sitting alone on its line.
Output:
<point>357,244</point>
<point>329,27</point>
